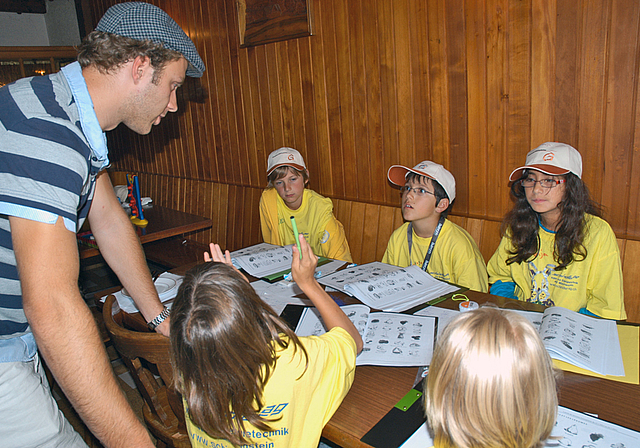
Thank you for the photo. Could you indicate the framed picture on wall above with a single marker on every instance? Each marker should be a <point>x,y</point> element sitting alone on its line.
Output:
<point>264,21</point>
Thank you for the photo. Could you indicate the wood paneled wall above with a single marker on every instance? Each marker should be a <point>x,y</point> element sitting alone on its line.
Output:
<point>471,84</point>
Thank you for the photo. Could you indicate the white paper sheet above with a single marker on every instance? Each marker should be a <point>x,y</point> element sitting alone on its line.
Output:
<point>390,339</point>
<point>583,341</point>
<point>279,295</point>
<point>572,428</point>
<point>444,316</point>
<point>398,290</point>
<point>263,259</point>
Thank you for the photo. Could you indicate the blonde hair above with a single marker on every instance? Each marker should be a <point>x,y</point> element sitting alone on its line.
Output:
<point>282,171</point>
<point>491,383</point>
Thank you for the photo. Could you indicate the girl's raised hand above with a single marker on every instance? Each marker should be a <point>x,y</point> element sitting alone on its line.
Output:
<point>218,256</point>
<point>303,269</point>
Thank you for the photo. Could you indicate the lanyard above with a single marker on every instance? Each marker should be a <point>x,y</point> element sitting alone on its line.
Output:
<point>436,232</point>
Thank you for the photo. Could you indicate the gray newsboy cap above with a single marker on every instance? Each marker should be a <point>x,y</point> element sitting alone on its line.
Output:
<point>139,20</point>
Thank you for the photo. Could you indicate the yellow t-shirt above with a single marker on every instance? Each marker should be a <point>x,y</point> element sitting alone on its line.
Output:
<point>594,283</point>
<point>314,218</point>
<point>455,258</point>
<point>300,402</point>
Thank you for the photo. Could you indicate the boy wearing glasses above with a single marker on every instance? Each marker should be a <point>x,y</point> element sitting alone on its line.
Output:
<point>427,239</point>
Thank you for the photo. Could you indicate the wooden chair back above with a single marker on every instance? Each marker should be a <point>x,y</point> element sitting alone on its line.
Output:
<point>145,354</point>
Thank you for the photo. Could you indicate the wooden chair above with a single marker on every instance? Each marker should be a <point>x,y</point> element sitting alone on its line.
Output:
<point>143,352</point>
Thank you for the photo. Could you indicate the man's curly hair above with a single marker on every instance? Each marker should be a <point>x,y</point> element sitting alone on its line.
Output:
<point>107,52</point>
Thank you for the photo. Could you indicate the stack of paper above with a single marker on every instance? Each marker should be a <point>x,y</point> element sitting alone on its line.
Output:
<point>352,274</point>
<point>571,429</point>
<point>390,339</point>
<point>582,340</point>
<point>389,288</point>
<point>263,259</point>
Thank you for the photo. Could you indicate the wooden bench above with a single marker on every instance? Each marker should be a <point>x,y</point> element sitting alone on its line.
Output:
<point>234,211</point>
<point>369,226</point>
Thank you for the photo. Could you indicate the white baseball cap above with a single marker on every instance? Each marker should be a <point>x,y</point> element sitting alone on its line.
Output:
<point>552,158</point>
<point>285,157</point>
<point>397,174</point>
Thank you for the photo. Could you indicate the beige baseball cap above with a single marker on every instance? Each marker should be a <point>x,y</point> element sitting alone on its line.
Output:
<point>285,156</point>
<point>551,158</point>
<point>397,175</point>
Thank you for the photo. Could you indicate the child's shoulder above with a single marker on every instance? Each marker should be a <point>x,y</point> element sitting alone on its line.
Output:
<point>315,198</point>
<point>596,227</point>
<point>459,234</point>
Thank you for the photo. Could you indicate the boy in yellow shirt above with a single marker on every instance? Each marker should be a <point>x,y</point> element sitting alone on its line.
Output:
<point>428,191</point>
<point>287,196</point>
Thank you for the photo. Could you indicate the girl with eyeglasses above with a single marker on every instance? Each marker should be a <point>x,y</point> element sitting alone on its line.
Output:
<point>556,249</point>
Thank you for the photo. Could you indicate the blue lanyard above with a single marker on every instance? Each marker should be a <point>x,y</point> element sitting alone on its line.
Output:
<point>436,232</point>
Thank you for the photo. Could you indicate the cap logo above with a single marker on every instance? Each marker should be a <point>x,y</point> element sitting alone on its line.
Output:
<point>548,157</point>
<point>290,157</point>
<point>422,166</point>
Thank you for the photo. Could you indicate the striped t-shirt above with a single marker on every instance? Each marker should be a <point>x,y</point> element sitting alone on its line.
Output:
<point>47,170</point>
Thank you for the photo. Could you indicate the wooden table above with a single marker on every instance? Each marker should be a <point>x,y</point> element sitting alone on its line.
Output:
<point>163,223</point>
<point>377,389</point>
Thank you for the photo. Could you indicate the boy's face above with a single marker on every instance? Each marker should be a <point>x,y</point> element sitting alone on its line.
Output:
<point>290,188</point>
<point>419,201</point>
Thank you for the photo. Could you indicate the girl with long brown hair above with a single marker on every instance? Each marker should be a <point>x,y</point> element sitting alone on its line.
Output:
<point>556,249</point>
<point>245,377</point>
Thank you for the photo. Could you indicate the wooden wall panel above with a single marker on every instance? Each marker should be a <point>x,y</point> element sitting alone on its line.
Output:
<point>473,85</point>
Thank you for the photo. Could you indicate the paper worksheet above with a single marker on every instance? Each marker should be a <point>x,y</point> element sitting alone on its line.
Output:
<point>390,339</point>
<point>444,316</point>
<point>279,295</point>
<point>263,259</point>
<point>572,428</point>
<point>386,289</point>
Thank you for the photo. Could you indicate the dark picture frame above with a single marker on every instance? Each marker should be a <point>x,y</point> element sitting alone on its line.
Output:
<point>265,21</point>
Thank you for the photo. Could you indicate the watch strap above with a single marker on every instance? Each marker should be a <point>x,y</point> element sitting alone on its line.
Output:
<point>153,324</point>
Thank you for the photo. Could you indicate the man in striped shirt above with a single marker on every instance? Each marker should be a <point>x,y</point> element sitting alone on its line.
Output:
<point>52,159</point>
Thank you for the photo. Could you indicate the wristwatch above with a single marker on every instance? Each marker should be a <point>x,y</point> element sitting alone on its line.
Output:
<point>158,319</point>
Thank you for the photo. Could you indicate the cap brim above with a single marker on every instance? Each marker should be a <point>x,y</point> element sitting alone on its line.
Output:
<point>547,169</point>
<point>292,165</point>
<point>397,174</point>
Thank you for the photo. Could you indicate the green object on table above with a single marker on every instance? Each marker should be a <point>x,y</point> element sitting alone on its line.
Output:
<point>281,274</point>
<point>407,401</point>
<point>296,235</point>
<point>436,301</point>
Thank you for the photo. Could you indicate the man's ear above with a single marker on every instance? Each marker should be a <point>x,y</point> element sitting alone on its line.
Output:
<point>442,205</point>
<point>139,68</point>
<point>307,181</point>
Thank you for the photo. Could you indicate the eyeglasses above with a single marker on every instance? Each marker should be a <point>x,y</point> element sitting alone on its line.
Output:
<point>547,184</point>
<point>418,191</point>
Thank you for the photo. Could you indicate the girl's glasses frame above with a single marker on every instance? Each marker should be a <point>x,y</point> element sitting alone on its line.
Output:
<point>547,184</point>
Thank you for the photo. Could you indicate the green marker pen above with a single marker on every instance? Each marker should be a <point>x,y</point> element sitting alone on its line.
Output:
<point>296,234</point>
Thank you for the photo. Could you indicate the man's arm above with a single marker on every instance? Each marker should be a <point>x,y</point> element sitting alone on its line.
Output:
<point>120,247</point>
<point>67,337</point>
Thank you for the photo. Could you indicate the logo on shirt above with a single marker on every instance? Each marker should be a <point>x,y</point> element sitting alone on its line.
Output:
<point>273,410</point>
<point>325,237</point>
